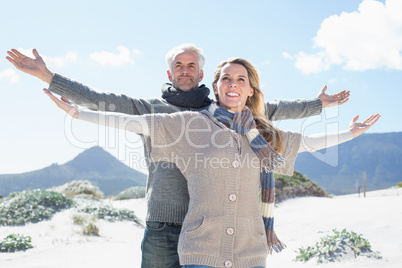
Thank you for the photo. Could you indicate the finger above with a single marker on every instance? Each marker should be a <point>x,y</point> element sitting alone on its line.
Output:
<point>47,92</point>
<point>343,95</point>
<point>36,54</point>
<point>323,89</point>
<point>13,56</point>
<point>53,97</point>
<point>374,119</point>
<point>340,102</point>
<point>368,119</point>
<point>371,120</point>
<point>13,62</point>
<point>355,119</point>
<point>340,94</point>
<point>65,100</point>
<point>16,52</point>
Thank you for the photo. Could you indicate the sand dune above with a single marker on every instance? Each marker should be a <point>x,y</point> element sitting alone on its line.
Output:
<point>299,222</point>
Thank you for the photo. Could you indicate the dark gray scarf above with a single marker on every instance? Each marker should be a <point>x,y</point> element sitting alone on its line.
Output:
<point>195,99</point>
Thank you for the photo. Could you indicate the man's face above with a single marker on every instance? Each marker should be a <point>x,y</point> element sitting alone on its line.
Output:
<point>185,71</point>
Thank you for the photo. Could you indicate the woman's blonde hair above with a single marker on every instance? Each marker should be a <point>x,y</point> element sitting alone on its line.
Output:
<point>255,103</point>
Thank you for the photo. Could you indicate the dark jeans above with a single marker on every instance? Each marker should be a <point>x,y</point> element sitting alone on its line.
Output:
<point>159,245</point>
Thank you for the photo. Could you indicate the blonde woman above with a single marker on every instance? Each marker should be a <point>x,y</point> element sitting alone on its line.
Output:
<point>227,154</point>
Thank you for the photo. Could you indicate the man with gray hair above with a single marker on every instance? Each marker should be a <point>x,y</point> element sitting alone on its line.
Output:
<point>167,194</point>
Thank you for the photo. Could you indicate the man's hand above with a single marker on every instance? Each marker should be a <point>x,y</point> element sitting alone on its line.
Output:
<point>333,100</point>
<point>35,67</point>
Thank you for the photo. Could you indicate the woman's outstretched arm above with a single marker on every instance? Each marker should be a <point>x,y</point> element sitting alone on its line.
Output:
<point>133,123</point>
<point>315,142</point>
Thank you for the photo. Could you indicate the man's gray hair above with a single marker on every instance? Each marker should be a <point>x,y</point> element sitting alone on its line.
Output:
<point>185,47</point>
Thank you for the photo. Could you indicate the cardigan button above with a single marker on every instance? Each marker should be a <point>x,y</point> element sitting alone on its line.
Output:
<point>230,231</point>
<point>232,197</point>
<point>235,164</point>
<point>228,264</point>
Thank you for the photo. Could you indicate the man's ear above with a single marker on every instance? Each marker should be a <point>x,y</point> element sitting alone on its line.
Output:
<point>201,75</point>
<point>169,75</point>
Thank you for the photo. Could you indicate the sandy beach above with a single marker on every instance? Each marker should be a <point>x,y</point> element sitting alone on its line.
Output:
<point>299,222</point>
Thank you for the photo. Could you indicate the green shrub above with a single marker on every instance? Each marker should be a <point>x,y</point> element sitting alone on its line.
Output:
<point>14,242</point>
<point>87,223</point>
<point>79,187</point>
<point>399,184</point>
<point>297,185</point>
<point>31,206</point>
<point>131,193</point>
<point>331,247</point>
<point>90,229</point>
<point>109,213</point>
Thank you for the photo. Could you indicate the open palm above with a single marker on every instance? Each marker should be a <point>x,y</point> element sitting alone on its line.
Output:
<point>358,128</point>
<point>26,64</point>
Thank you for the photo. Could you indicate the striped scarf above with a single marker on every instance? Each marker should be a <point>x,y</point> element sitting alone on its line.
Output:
<point>244,124</point>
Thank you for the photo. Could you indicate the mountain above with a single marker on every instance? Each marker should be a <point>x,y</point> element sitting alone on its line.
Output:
<point>94,164</point>
<point>339,169</point>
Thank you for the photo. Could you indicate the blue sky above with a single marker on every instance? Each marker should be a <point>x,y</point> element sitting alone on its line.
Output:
<point>297,46</point>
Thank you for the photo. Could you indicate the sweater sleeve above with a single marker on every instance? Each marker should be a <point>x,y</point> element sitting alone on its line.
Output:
<point>294,143</point>
<point>133,123</point>
<point>311,143</point>
<point>87,96</point>
<point>292,109</point>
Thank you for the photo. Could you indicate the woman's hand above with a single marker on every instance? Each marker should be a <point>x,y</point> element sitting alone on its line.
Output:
<point>63,104</point>
<point>359,128</point>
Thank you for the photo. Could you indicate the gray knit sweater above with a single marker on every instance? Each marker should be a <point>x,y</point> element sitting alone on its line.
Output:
<point>167,194</point>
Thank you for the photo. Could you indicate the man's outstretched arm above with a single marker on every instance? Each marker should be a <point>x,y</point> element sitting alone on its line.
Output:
<point>75,91</point>
<point>301,108</point>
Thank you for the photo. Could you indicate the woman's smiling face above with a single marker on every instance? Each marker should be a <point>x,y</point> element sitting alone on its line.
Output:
<point>233,87</point>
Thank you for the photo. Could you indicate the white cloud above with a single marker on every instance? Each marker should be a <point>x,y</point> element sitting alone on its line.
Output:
<point>311,63</point>
<point>369,38</point>
<point>108,58</point>
<point>137,51</point>
<point>265,62</point>
<point>70,57</point>
<point>287,56</point>
<point>9,74</point>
